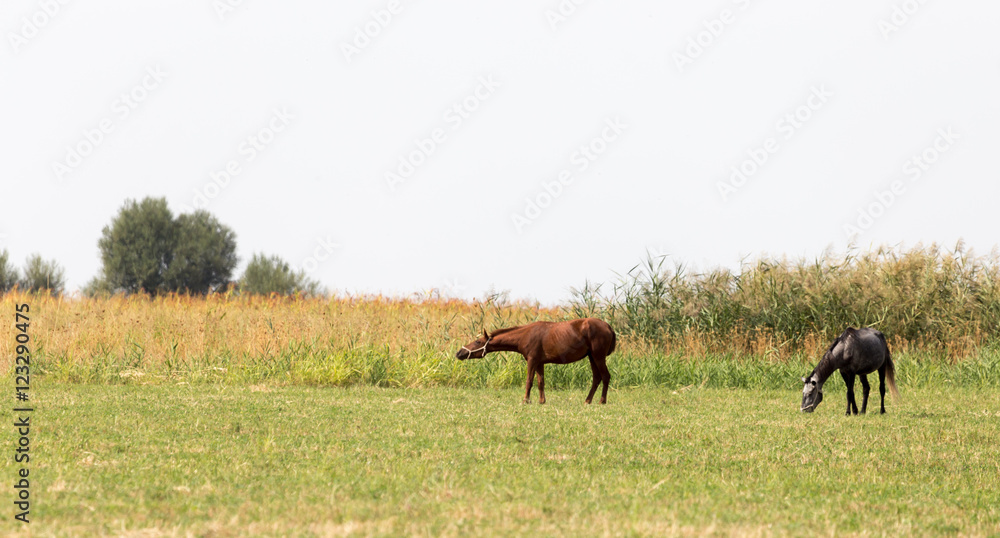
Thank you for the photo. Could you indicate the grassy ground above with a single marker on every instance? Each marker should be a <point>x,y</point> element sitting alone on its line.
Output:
<point>216,459</point>
<point>233,415</point>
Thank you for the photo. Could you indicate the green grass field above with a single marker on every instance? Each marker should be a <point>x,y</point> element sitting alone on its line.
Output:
<point>232,416</point>
<point>228,460</point>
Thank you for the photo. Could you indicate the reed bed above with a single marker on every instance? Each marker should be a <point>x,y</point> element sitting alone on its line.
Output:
<point>924,299</point>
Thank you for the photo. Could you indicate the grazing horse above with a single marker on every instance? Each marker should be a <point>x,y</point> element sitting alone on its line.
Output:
<point>546,342</point>
<point>856,352</point>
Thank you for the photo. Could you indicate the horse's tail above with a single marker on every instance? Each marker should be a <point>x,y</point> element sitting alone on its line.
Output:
<point>890,372</point>
<point>614,340</point>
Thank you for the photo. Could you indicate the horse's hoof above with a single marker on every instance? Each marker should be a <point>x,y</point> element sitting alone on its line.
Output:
<point>586,402</point>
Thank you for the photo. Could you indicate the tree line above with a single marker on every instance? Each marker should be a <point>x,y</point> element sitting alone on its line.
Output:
<point>147,249</point>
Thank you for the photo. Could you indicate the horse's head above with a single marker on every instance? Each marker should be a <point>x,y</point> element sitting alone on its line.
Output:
<point>812,393</point>
<point>475,349</point>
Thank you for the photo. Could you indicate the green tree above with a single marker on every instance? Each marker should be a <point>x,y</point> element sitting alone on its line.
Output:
<point>146,249</point>
<point>8,273</point>
<point>265,275</point>
<point>204,256</point>
<point>42,275</point>
<point>137,246</point>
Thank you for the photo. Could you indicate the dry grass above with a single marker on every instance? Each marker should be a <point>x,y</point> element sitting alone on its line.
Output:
<point>944,306</point>
<point>175,331</point>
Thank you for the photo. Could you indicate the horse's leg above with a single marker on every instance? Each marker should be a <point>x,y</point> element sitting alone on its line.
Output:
<point>605,377</point>
<point>881,386</point>
<point>849,381</point>
<point>540,372</point>
<point>597,379</point>
<point>865,389</point>
<point>531,377</point>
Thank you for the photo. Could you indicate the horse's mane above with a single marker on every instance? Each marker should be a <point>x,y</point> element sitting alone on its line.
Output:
<point>846,334</point>
<point>505,330</point>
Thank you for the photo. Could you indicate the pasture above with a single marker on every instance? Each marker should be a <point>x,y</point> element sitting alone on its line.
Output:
<point>226,460</point>
<point>232,415</point>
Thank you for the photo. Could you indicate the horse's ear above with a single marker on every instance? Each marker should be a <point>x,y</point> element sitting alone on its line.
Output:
<point>803,380</point>
<point>485,334</point>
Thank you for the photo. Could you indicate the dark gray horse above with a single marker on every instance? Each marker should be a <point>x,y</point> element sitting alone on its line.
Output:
<point>856,352</point>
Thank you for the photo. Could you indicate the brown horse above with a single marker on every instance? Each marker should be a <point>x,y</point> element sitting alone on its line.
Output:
<point>545,342</point>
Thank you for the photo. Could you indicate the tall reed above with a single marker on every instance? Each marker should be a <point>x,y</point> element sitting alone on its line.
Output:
<point>924,297</point>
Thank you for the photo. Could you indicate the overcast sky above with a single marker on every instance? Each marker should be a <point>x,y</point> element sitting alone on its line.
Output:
<point>397,146</point>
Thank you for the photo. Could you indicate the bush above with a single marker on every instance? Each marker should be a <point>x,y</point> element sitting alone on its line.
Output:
<point>266,275</point>
<point>97,287</point>
<point>41,275</point>
<point>8,273</point>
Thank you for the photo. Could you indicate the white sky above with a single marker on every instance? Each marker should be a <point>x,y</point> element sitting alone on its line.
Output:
<point>889,81</point>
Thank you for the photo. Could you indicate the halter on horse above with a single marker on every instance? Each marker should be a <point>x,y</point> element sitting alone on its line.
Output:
<point>483,349</point>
